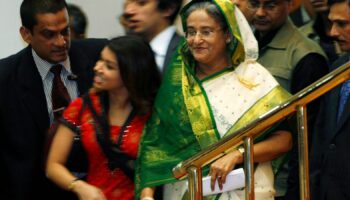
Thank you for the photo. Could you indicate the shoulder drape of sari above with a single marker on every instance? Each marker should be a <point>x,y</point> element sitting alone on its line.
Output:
<point>182,123</point>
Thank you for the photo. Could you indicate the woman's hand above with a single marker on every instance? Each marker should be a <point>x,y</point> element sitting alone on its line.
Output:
<point>86,191</point>
<point>221,167</point>
<point>275,145</point>
<point>147,193</point>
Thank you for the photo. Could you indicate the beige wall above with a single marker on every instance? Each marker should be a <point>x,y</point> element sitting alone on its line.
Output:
<point>102,16</point>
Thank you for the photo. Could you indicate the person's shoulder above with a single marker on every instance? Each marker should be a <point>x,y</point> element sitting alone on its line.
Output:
<point>8,64</point>
<point>302,43</point>
<point>177,36</point>
<point>302,39</point>
<point>88,47</point>
<point>176,39</point>
<point>307,29</point>
<point>295,39</point>
<point>90,42</point>
<point>14,57</point>
<point>340,61</point>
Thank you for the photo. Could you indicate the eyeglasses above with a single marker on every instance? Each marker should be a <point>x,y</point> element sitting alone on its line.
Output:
<point>203,33</point>
<point>269,5</point>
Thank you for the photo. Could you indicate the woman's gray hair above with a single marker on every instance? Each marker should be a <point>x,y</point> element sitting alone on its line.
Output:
<point>211,9</point>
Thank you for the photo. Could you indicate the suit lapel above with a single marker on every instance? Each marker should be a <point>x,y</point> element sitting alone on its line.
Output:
<point>333,99</point>
<point>171,49</point>
<point>345,115</point>
<point>346,112</point>
<point>31,90</point>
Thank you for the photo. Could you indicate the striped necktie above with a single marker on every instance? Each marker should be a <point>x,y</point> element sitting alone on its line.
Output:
<point>59,94</point>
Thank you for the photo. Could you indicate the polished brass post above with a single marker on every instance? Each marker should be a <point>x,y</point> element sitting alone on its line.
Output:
<point>303,153</point>
<point>249,168</point>
<point>195,183</point>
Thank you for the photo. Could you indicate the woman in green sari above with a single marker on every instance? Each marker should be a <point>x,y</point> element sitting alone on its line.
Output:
<point>213,87</point>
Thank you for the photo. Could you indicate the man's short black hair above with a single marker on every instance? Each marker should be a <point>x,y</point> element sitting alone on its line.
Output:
<point>78,19</point>
<point>174,4</point>
<point>30,8</point>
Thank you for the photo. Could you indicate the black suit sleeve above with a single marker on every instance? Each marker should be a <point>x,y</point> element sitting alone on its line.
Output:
<point>309,69</point>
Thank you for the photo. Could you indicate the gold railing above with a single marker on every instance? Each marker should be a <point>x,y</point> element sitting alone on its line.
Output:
<point>297,103</point>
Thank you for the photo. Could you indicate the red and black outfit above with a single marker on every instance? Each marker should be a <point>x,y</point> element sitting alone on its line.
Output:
<point>112,180</point>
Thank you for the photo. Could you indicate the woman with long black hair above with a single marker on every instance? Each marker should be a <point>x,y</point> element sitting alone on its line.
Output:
<point>109,120</point>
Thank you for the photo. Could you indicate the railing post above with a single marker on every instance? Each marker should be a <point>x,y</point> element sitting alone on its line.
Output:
<point>249,168</point>
<point>195,183</point>
<point>303,153</point>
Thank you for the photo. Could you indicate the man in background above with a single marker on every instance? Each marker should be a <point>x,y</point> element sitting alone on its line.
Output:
<point>154,21</point>
<point>318,29</point>
<point>245,8</point>
<point>28,103</point>
<point>329,156</point>
<point>293,59</point>
<point>77,22</point>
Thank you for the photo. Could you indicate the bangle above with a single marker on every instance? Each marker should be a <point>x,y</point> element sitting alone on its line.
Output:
<point>72,184</point>
<point>147,198</point>
<point>241,150</point>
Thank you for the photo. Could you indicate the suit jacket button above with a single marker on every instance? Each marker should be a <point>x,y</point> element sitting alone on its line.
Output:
<point>332,146</point>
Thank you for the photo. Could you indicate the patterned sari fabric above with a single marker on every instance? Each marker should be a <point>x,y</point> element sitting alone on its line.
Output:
<point>116,185</point>
<point>192,114</point>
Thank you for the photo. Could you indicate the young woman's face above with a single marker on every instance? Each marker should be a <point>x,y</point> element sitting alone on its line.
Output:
<point>205,37</point>
<point>107,74</point>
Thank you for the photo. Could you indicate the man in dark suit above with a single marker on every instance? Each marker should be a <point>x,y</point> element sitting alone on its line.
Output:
<point>25,101</point>
<point>330,157</point>
<point>153,20</point>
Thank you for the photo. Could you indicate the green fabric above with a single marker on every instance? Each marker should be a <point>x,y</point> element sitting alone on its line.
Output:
<point>200,116</point>
<point>182,123</point>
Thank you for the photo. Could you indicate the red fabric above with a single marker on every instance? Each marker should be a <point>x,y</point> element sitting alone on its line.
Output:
<point>115,185</point>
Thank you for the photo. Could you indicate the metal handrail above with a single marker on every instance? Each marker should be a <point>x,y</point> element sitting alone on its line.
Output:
<point>296,103</point>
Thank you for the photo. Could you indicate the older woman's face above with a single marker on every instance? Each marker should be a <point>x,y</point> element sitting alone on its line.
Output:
<point>206,39</point>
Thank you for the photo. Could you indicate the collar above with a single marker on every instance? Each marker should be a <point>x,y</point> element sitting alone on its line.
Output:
<point>160,43</point>
<point>309,31</point>
<point>283,35</point>
<point>264,41</point>
<point>44,66</point>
